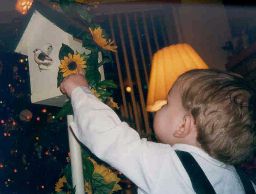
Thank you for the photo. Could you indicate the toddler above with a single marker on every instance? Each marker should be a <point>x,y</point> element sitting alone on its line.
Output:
<point>210,115</point>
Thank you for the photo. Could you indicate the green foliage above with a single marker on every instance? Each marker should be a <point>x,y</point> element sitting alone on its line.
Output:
<point>63,3</point>
<point>88,167</point>
<point>99,185</point>
<point>68,175</point>
<point>84,14</point>
<point>92,72</point>
<point>64,51</point>
<point>62,192</point>
<point>88,41</point>
<point>106,84</point>
<point>66,110</point>
<point>97,182</point>
<point>59,79</point>
<point>101,87</point>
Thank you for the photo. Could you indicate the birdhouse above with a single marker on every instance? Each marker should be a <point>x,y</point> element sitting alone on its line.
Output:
<point>41,42</point>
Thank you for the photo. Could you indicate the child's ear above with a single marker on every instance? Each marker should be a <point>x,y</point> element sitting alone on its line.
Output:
<point>185,128</point>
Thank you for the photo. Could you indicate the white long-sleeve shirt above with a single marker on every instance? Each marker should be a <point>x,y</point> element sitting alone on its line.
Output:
<point>153,167</point>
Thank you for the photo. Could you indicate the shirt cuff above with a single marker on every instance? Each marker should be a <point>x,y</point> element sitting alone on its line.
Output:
<point>78,95</point>
<point>79,88</point>
<point>81,95</point>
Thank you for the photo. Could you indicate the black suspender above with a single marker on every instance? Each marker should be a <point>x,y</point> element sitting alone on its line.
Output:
<point>200,182</point>
<point>248,188</point>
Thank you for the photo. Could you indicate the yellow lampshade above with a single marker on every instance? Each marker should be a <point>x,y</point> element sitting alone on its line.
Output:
<point>167,65</point>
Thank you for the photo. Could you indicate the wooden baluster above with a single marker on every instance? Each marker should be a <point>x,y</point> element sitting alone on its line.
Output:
<point>129,77</point>
<point>141,48</point>
<point>120,76</point>
<point>150,53</point>
<point>154,32</point>
<point>137,75</point>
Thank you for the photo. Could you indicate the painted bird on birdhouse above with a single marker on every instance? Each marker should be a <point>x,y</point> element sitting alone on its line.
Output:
<point>42,58</point>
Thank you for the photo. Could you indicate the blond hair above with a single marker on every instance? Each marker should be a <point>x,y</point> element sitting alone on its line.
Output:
<point>222,105</point>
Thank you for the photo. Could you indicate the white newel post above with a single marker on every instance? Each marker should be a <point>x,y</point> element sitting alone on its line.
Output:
<point>76,159</point>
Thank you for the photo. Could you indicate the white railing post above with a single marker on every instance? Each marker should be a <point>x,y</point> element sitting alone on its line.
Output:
<point>76,160</point>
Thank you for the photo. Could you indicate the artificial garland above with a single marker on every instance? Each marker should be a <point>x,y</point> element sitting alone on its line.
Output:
<point>99,179</point>
<point>72,62</point>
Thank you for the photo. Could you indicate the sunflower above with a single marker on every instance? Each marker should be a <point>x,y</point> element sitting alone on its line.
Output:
<point>94,92</point>
<point>87,188</point>
<point>72,64</point>
<point>111,103</point>
<point>60,184</point>
<point>101,41</point>
<point>108,175</point>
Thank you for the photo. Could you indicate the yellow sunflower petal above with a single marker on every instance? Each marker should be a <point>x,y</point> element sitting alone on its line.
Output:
<point>83,66</point>
<point>80,62</point>
<point>60,184</point>
<point>79,59</point>
<point>70,56</point>
<point>116,188</point>
<point>77,56</point>
<point>67,73</point>
<point>66,59</point>
<point>62,62</point>
<point>87,188</point>
<point>91,31</point>
<point>101,41</point>
<point>61,67</point>
<point>108,175</point>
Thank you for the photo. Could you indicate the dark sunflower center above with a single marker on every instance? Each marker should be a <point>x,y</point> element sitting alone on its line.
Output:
<point>72,65</point>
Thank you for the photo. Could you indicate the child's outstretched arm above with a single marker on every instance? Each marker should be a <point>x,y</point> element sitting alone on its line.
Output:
<point>99,128</point>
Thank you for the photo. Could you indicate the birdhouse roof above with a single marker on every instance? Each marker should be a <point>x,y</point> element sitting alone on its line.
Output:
<point>68,23</point>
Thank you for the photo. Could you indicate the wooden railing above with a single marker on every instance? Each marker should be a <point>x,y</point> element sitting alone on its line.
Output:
<point>138,35</point>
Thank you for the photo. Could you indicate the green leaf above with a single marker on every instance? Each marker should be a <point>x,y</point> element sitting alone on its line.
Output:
<point>93,76</point>
<point>100,186</point>
<point>68,174</point>
<point>64,51</point>
<point>65,4</point>
<point>61,192</point>
<point>88,42</point>
<point>106,57</point>
<point>88,169</point>
<point>85,153</point>
<point>103,92</point>
<point>84,56</point>
<point>59,78</point>
<point>107,84</point>
<point>65,110</point>
<point>93,59</point>
<point>91,67</point>
<point>104,61</point>
<point>73,190</point>
<point>98,179</point>
<point>84,14</point>
<point>106,54</point>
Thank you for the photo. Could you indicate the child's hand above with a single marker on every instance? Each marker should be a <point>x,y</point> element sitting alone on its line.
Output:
<point>71,82</point>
